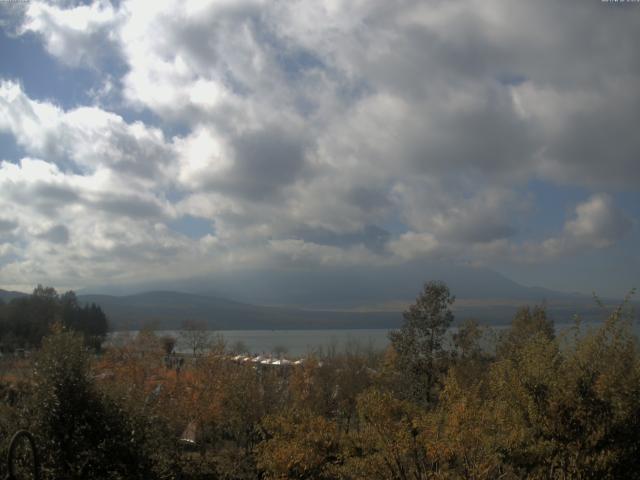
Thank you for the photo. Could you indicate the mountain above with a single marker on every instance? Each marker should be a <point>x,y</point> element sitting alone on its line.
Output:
<point>360,286</point>
<point>168,309</point>
<point>354,297</point>
<point>348,287</point>
<point>7,295</point>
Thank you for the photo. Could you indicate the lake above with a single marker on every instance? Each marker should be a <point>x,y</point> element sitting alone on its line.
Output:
<point>297,343</point>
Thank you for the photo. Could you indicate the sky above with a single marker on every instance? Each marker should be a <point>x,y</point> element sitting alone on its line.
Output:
<point>164,141</point>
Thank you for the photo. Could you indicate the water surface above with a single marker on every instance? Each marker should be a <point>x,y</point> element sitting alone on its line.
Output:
<point>297,343</point>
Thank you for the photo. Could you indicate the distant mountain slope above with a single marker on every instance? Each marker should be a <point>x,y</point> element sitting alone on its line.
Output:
<point>6,295</point>
<point>167,310</point>
<point>346,287</point>
<point>348,298</point>
<point>361,286</point>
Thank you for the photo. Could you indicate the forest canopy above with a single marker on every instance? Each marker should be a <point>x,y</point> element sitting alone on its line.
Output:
<point>441,402</point>
<point>24,321</point>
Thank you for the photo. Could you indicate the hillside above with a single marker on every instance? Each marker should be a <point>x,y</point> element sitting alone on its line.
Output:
<point>348,288</point>
<point>7,295</point>
<point>168,309</point>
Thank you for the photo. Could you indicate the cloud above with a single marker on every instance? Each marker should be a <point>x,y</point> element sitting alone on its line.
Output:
<point>470,234</point>
<point>454,214</point>
<point>105,232</point>
<point>7,226</point>
<point>7,232</point>
<point>484,84</point>
<point>58,234</point>
<point>372,237</point>
<point>79,35</point>
<point>412,245</point>
<point>85,138</point>
<point>254,164</point>
<point>586,134</point>
<point>295,252</point>
<point>321,132</point>
<point>598,222</point>
<point>265,162</point>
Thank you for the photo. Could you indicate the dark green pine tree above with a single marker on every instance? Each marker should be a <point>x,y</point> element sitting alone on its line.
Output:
<point>419,343</point>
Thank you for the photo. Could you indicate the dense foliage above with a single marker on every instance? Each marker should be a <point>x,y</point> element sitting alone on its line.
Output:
<point>526,402</point>
<point>24,321</point>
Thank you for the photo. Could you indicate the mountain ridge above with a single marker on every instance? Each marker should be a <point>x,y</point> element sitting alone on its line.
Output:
<point>323,299</point>
<point>347,287</point>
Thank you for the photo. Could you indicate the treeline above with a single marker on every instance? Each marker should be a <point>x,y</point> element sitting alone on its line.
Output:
<point>25,321</point>
<point>525,402</point>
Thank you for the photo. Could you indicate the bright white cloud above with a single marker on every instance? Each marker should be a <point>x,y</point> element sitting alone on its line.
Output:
<point>202,156</point>
<point>321,121</point>
<point>78,35</point>
<point>88,138</point>
<point>598,222</point>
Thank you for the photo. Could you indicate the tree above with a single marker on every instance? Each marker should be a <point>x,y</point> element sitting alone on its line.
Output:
<point>3,318</point>
<point>28,319</point>
<point>570,410</point>
<point>168,344</point>
<point>82,434</point>
<point>419,342</point>
<point>89,320</point>
<point>467,339</point>
<point>526,324</point>
<point>301,445</point>
<point>395,440</point>
<point>239,347</point>
<point>195,336</point>
<point>469,360</point>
